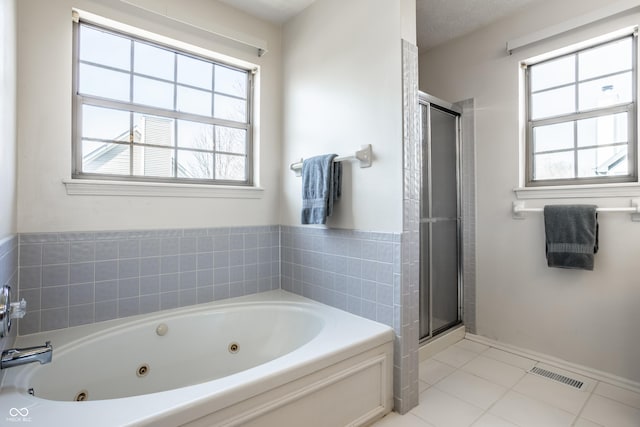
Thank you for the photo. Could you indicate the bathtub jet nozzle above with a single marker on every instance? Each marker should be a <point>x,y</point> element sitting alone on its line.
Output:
<point>21,356</point>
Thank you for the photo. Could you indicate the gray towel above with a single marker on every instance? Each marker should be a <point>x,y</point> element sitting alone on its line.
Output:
<point>571,235</point>
<point>321,187</point>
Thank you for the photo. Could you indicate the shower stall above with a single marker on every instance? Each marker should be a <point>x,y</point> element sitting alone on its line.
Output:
<point>440,218</point>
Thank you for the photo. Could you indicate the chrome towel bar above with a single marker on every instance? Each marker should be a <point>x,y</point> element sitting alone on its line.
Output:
<point>518,210</point>
<point>364,156</point>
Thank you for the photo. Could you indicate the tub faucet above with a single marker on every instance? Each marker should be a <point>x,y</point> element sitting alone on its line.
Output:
<point>21,356</point>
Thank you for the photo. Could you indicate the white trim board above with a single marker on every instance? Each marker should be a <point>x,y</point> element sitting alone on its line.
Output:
<point>559,363</point>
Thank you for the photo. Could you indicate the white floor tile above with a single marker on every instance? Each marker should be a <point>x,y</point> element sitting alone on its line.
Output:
<point>471,346</point>
<point>455,356</point>
<point>552,392</point>
<point>621,395</point>
<point>444,410</point>
<point>393,419</point>
<point>475,390</point>
<point>581,422</point>
<point>495,371</point>
<point>527,412</point>
<point>610,413</point>
<point>489,420</point>
<point>431,371</point>
<point>510,358</point>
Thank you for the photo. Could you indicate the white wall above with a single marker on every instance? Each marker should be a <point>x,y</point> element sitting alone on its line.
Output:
<point>342,89</point>
<point>8,118</point>
<point>44,118</point>
<point>589,318</point>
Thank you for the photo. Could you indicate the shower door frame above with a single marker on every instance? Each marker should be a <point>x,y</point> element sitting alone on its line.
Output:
<point>432,101</point>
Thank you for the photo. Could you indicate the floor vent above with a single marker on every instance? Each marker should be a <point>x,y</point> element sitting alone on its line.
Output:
<point>557,377</point>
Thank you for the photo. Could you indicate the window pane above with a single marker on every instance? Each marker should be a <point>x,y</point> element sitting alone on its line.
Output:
<point>194,101</point>
<point>553,73</point>
<point>195,135</point>
<point>231,82</point>
<point>603,130</point>
<point>553,165</point>
<point>604,92</point>
<point>230,167</point>
<point>98,81</point>
<point>153,130</point>
<point>194,72</point>
<point>102,157</point>
<point>105,48</point>
<point>553,137</point>
<point>105,123</point>
<point>193,164</point>
<point>603,161</point>
<point>231,140</point>
<point>553,102</point>
<point>153,93</point>
<point>153,161</point>
<point>153,61</point>
<point>606,59</point>
<point>229,108</point>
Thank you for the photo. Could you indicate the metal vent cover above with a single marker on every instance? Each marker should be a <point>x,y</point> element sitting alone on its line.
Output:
<point>572,382</point>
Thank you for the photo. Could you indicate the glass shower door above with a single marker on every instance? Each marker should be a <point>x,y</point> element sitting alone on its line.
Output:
<point>439,222</point>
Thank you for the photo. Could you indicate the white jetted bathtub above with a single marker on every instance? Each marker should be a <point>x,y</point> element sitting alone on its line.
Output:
<point>272,359</point>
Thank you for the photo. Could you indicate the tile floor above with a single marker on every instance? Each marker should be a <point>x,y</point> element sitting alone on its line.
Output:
<point>471,384</point>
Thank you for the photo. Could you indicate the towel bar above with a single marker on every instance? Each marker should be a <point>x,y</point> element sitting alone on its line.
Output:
<point>364,156</point>
<point>518,210</point>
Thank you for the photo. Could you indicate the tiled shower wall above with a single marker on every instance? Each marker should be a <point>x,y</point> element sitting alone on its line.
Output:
<point>71,279</point>
<point>9,276</point>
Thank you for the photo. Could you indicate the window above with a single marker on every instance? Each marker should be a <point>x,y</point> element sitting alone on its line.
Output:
<point>148,112</point>
<point>581,116</point>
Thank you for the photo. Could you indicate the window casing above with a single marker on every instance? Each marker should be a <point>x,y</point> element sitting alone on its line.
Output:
<point>144,111</point>
<point>581,116</point>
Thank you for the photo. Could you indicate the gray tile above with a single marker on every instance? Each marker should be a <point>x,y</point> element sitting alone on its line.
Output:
<point>169,300</point>
<point>170,264</point>
<point>106,310</point>
<point>369,290</point>
<point>251,241</point>
<point>188,297</point>
<point>106,270</point>
<point>384,314</point>
<point>220,275</point>
<point>169,282</point>
<point>264,255</point>
<point>188,279</point>
<point>149,247</point>
<point>251,272</point>
<point>221,243</point>
<point>129,248</point>
<point>55,253</point>
<point>384,273</point>
<point>204,294</point>
<point>220,259</point>
<point>149,266</point>
<point>354,267</point>
<point>385,252</point>
<point>149,303</point>
<point>57,318</point>
<point>128,288</point>
<point>55,275</point>
<point>128,268</point>
<point>38,238</point>
<point>236,241</point>
<point>204,277</point>
<point>369,309</point>
<point>204,261</point>
<point>30,255</point>
<point>30,277</point>
<point>105,291</point>
<point>81,272</point>
<point>170,246</point>
<point>354,305</point>
<point>81,294</point>
<point>236,289</point>
<point>128,307</point>
<point>384,294</point>
<point>195,232</point>
<point>236,274</point>
<point>32,297</point>
<point>188,245</point>
<point>251,256</point>
<point>220,292</point>
<point>205,244</point>
<point>149,285</point>
<point>81,315</point>
<point>82,251</point>
<point>264,270</point>
<point>188,262</point>
<point>76,236</point>
<point>30,323</point>
<point>106,250</point>
<point>354,287</point>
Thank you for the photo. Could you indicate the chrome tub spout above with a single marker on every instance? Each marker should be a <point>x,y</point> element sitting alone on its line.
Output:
<point>21,356</point>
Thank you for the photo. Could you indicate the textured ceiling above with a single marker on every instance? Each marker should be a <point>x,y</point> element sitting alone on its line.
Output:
<point>438,20</point>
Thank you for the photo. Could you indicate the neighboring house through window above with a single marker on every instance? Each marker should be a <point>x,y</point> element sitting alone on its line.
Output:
<point>581,116</point>
<point>146,111</point>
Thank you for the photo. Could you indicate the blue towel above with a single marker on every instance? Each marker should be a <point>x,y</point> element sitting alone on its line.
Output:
<point>571,233</point>
<point>321,187</point>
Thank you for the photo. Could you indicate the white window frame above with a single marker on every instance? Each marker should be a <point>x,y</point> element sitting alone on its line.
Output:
<point>93,183</point>
<point>631,108</point>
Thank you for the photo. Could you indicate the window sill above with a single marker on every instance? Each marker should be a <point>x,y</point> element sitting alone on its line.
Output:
<point>87,187</point>
<point>629,189</point>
